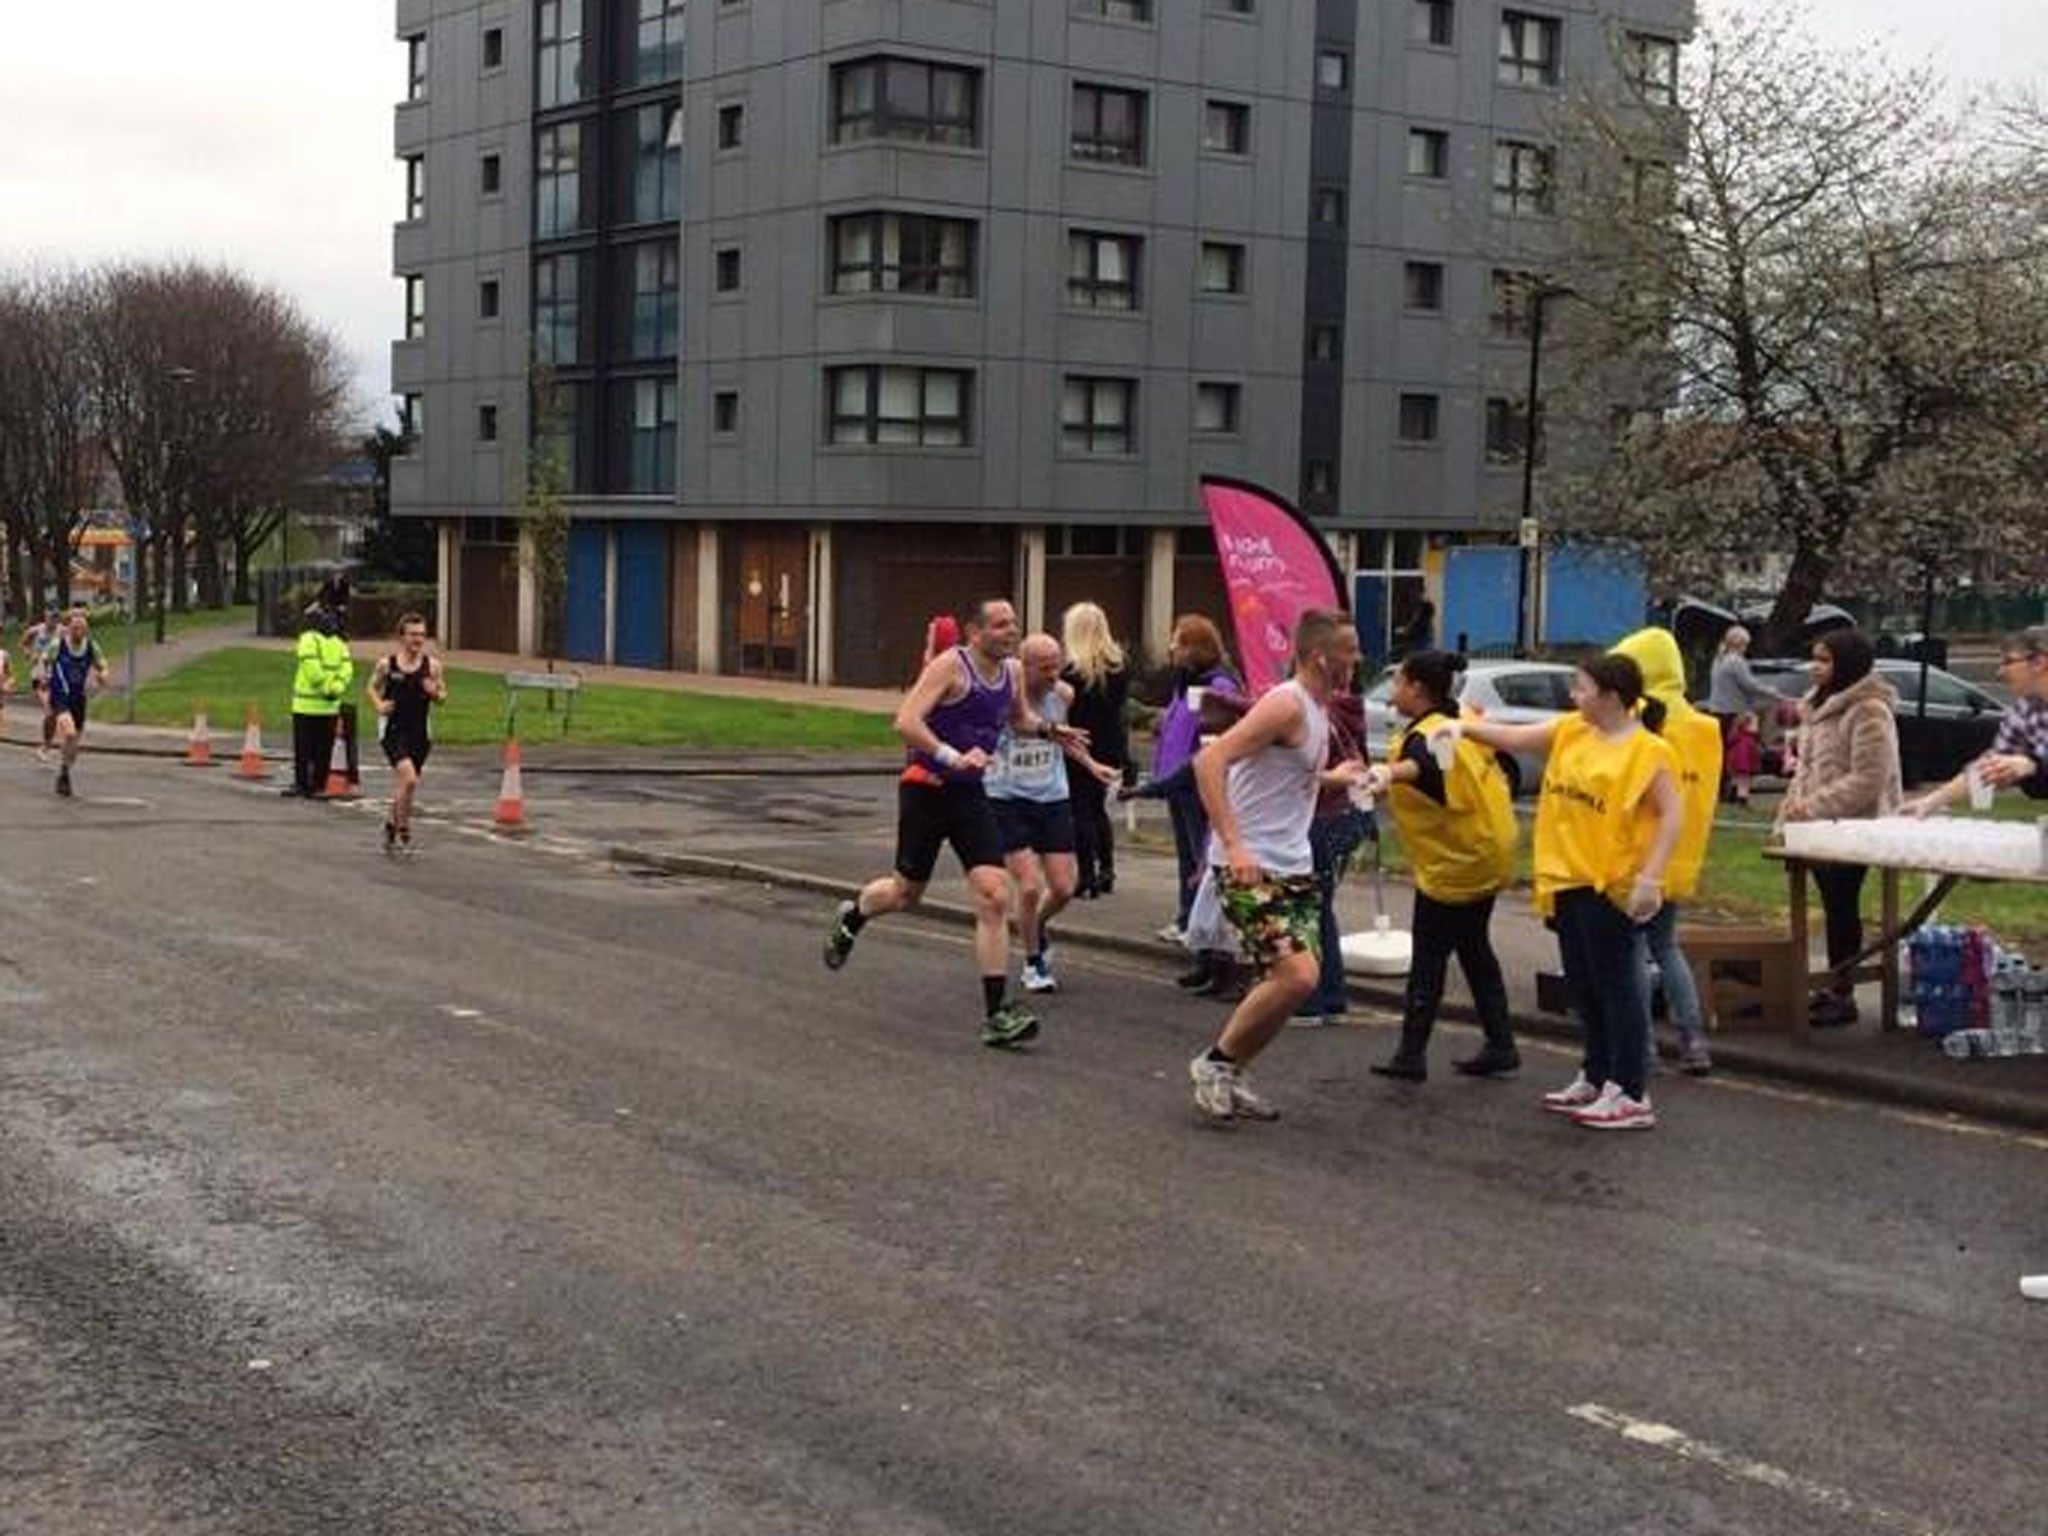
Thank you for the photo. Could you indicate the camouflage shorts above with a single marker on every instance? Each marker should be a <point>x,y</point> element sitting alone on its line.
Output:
<point>1280,916</point>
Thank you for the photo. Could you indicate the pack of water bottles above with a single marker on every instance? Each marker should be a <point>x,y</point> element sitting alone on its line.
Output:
<point>1976,996</point>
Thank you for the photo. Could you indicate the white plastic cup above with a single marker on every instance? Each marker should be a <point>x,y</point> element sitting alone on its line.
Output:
<point>1361,797</point>
<point>1982,790</point>
<point>2034,1287</point>
<point>1196,694</point>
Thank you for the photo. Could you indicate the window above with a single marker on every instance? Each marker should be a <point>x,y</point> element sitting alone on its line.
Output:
<point>558,180</point>
<point>1227,128</point>
<point>1506,431</point>
<point>1109,125</point>
<point>1232,7</point>
<point>558,310</point>
<point>1321,478</point>
<point>656,274</point>
<point>887,98</point>
<point>412,419</point>
<point>725,269</point>
<point>903,253</point>
<point>725,412</point>
<point>1095,414</point>
<point>1429,21</point>
<point>1652,187</point>
<point>656,153</point>
<point>558,416</point>
<point>1325,343</point>
<point>1216,408</point>
<point>415,187</point>
<point>487,423</point>
<point>1117,10</point>
<point>1422,285</point>
<point>559,53</point>
<point>658,42</point>
<point>1650,64</point>
<point>1327,205</point>
<point>1333,70</point>
<point>487,299</point>
<point>1521,178</point>
<point>490,174</point>
<point>732,119</point>
<point>1102,270</point>
<point>494,47</point>
<point>1508,303</point>
<point>926,407</point>
<point>1418,419</point>
<point>1528,49</point>
<point>415,306</point>
<point>651,437</point>
<point>416,67</point>
<point>1221,267</point>
<point>1429,153</point>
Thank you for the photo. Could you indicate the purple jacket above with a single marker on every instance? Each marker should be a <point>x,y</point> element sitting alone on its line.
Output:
<point>1179,729</point>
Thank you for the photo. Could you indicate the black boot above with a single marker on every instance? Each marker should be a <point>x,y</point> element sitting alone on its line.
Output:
<point>1203,974</point>
<point>1403,1066</point>
<point>1495,1059</point>
<point>1230,985</point>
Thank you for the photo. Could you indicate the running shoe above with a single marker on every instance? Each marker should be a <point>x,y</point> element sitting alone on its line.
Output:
<point>390,837</point>
<point>405,841</point>
<point>1694,1059</point>
<point>1008,1027</point>
<point>1215,1088</point>
<point>1615,1110</point>
<point>1039,978</point>
<point>1173,933</point>
<point>1248,1105</point>
<point>64,781</point>
<point>839,942</point>
<point>1574,1096</point>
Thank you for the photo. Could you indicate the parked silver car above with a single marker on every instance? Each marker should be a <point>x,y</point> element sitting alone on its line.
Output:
<point>1514,691</point>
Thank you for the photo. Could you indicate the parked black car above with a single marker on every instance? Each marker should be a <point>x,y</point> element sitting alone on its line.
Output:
<point>1960,721</point>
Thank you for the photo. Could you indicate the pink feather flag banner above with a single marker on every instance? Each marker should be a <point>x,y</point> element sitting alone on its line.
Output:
<point>1275,567</point>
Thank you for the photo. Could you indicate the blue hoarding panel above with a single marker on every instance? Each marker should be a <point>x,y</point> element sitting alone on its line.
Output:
<point>583,627</point>
<point>1482,591</point>
<point>1593,594</point>
<point>640,624</point>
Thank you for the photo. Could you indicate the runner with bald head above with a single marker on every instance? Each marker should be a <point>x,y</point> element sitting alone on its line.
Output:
<point>952,720</point>
<point>1027,785</point>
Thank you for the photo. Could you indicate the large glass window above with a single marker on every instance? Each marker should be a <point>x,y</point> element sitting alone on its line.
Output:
<point>1528,49</point>
<point>655,150</point>
<point>903,253</point>
<point>558,180</point>
<point>1521,178</point>
<point>1651,64</point>
<point>1507,314</point>
<point>1102,269</point>
<point>1429,153</point>
<point>658,42</point>
<point>655,272</point>
<point>651,436</point>
<point>416,67</point>
<point>415,306</point>
<point>559,429</point>
<point>1216,408</point>
<point>889,98</point>
<point>1418,418</point>
<point>1109,125</point>
<point>1507,431</point>
<point>1227,128</point>
<point>1220,268</point>
<point>1097,415</point>
<point>1430,21</point>
<point>415,187</point>
<point>926,407</point>
<point>558,310</point>
<point>558,33</point>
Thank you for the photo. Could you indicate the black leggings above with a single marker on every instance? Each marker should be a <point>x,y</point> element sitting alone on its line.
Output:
<point>1094,839</point>
<point>1443,929</point>
<point>1841,902</point>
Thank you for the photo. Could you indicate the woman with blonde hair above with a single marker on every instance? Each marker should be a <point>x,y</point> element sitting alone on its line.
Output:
<point>1101,682</point>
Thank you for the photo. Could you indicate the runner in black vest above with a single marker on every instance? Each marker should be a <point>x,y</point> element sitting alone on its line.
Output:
<point>404,687</point>
<point>76,668</point>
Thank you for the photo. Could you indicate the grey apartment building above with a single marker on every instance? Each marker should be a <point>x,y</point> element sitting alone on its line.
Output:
<point>839,313</point>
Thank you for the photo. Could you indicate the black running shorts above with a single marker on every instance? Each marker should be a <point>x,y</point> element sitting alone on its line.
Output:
<point>399,748</point>
<point>930,815</point>
<point>1042,826</point>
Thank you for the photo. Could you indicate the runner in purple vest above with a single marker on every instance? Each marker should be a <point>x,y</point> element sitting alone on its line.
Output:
<point>951,720</point>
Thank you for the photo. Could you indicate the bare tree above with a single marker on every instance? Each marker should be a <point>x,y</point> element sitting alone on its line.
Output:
<point>1819,331</point>
<point>47,436</point>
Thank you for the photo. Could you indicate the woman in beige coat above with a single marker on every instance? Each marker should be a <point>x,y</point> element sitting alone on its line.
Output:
<point>1848,770</point>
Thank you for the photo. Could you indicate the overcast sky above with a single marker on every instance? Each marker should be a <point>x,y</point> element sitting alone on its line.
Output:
<point>260,136</point>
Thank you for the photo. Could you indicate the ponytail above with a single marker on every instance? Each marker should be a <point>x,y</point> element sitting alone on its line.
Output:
<point>1653,714</point>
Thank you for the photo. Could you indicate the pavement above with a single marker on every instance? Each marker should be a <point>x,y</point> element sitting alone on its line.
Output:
<point>825,824</point>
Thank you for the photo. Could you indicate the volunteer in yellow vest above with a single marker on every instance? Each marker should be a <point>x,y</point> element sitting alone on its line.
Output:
<point>1458,827</point>
<point>1606,824</point>
<point>320,681</point>
<point>1695,738</point>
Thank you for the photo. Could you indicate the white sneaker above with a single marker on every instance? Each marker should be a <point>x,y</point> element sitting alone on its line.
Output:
<point>1173,933</point>
<point>1039,978</point>
<point>1616,1111</point>
<point>1247,1105</point>
<point>1571,1098</point>
<point>1215,1088</point>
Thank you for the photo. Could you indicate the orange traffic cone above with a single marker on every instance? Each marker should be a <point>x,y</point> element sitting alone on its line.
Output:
<point>338,786</point>
<point>252,765</point>
<point>199,745</point>
<point>511,812</point>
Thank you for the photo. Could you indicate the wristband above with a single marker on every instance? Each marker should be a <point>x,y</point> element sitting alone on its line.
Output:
<point>948,756</point>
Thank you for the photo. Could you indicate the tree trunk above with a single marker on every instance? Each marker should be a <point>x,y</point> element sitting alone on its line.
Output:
<point>181,563</point>
<point>1804,584</point>
<point>241,557</point>
<point>161,574</point>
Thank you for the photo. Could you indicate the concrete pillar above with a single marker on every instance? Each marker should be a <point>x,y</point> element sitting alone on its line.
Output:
<point>709,599</point>
<point>448,580</point>
<point>822,616</point>
<point>529,594</point>
<point>1159,593</point>
<point>611,593</point>
<point>1031,578</point>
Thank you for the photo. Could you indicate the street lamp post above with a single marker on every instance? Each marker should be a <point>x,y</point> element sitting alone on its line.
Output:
<point>1528,536</point>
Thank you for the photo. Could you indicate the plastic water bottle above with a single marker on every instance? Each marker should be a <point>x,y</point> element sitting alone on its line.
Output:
<point>2007,1007</point>
<point>1965,1043</point>
<point>2033,1006</point>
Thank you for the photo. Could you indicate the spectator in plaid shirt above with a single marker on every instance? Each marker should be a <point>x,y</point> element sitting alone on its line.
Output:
<point>2019,754</point>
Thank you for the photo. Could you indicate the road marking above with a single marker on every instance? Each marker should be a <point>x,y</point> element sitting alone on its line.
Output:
<point>454,1012</point>
<point>1676,1442</point>
<point>1919,1118</point>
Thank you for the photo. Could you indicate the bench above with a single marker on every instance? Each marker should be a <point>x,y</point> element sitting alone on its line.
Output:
<point>1750,975</point>
<point>550,685</point>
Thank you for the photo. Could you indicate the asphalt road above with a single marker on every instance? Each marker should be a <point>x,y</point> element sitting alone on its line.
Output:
<point>500,1191</point>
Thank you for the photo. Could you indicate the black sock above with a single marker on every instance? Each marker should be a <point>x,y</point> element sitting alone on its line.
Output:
<point>992,990</point>
<point>855,920</point>
<point>1217,1053</point>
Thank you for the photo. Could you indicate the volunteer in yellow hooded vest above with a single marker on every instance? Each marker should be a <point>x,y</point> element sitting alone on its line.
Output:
<point>1606,825</point>
<point>1458,826</point>
<point>1695,740</point>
